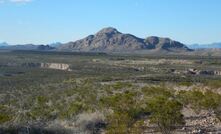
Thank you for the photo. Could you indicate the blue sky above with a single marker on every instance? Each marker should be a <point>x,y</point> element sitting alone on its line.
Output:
<point>46,21</point>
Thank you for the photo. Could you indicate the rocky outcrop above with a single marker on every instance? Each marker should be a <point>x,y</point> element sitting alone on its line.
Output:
<point>111,40</point>
<point>194,71</point>
<point>217,73</point>
<point>58,66</point>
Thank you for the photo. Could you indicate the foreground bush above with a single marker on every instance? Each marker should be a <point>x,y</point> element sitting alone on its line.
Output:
<point>129,109</point>
<point>126,109</point>
<point>166,113</point>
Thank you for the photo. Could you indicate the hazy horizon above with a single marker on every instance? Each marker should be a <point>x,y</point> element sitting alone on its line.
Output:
<point>44,22</point>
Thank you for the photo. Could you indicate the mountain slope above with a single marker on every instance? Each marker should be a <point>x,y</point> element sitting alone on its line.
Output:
<point>165,43</point>
<point>111,40</point>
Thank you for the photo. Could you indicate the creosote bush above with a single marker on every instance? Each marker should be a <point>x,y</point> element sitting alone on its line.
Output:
<point>73,109</point>
<point>198,100</point>
<point>5,115</point>
<point>126,109</point>
<point>213,83</point>
<point>166,113</point>
<point>155,103</point>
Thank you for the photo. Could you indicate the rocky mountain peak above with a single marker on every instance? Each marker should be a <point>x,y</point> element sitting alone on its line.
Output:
<point>108,31</point>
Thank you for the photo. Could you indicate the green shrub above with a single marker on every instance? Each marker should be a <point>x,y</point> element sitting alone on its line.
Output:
<point>185,84</point>
<point>73,109</point>
<point>120,101</point>
<point>194,98</point>
<point>213,83</point>
<point>126,111</point>
<point>199,100</point>
<point>156,91</point>
<point>41,113</point>
<point>4,118</point>
<point>123,123</point>
<point>41,110</point>
<point>119,123</point>
<point>166,113</point>
<point>120,85</point>
<point>41,100</point>
<point>211,100</point>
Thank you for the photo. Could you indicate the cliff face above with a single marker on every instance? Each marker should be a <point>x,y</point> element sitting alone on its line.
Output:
<point>58,66</point>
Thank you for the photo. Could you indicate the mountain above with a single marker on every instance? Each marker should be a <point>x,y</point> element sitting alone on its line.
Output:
<point>111,40</point>
<point>199,46</point>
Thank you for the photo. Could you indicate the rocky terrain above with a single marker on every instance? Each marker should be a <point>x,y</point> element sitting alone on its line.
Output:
<point>57,66</point>
<point>111,40</point>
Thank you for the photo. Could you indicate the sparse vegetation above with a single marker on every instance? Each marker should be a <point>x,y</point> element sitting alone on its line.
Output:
<point>125,98</point>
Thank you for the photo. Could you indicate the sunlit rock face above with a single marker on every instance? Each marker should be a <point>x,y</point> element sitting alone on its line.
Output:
<point>58,66</point>
<point>203,72</point>
<point>218,73</point>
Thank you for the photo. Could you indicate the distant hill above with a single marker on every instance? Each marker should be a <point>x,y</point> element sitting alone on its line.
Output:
<point>56,44</point>
<point>45,47</point>
<point>3,44</point>
<point>111,40</point>
<point>27,47</point>
<point>199,46</point>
